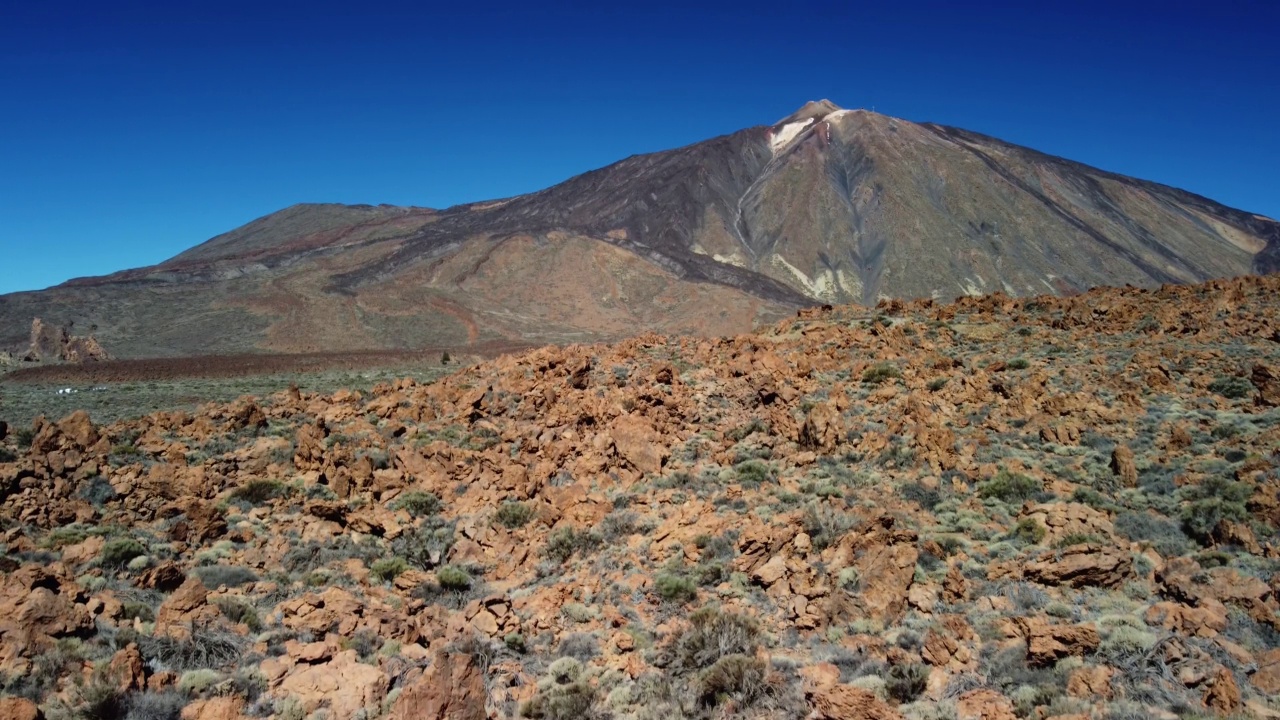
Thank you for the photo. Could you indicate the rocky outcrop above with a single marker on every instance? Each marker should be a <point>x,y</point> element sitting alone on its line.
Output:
<point>56,344</point>
<point>452,688</point>
<point>1081,566</point>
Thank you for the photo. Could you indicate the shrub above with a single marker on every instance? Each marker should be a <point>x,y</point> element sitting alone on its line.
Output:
<point>617,525</point>
<point>1212,501</point>
<point>97,491</point>
<point>927,498</point>
<point>1080,539</point>
<point>204,647</point>
<point>937,384</point>
<point>713,634</point>
<point>257,492</point>
<point>131,609</point>
<point>452,577</point>
<point>1010,487</point>
<point>515,643</point>
<point>239,611</point>
<point>675,588</point>
<point>425,545</point>
<point>366,643</point>
<point>824,524</point>
<point>563,543</point>
<point>386,569</point>
<point>1233,388</point>
<point>580,646</point>
<point>117,553</point>
<point>99,699</point>
<point>880,372</point>
<point>752,473</point>
<point>196,682</point>
<point>23,437</point>
<point>565,694</point>
<point>1028,531</point>
<point>741,678</point>
<point>153,705</point>
<point>906,682</point>
<point>1018,364</point>
<point>418,503</point>
<point>216,576</point>
<point>1165,535</point>
<point>514,514</point>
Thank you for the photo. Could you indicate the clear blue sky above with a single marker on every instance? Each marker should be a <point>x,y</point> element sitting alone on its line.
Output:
<point>130,131</point>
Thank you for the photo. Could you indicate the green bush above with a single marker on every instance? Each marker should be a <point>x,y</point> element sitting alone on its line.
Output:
<point>1233,388</point>
<point>515,643</point>
<point>117,553</point>
<point>563,543</point>
<point>880,372</point>
<point>1028,531</point>
<point>906,682</point>
<point>1212,501</point>
<point>1010,487</point>
<point>937,384</point>
<point>418,503</point>
<point>565,694</point>
<point>675,588</point>
<point>239,611</point>
<point>257,492</point>
<point>740,678</point>
<point>514,515</point>
<point>7,455</point>
<point>1018,364</point>
<point>386,569</point>
<point>23,437</point>
<point>425,545</point>
<point>153,705</point>
<point>1080,539</point>
<point>752,473</point>
<point>1165,535</point>
<point>204,647</point>
<point>824,524</point>
<point>927,498</point>
<point>216,576</point>
<point>713,634</point>
<point>452,577</point>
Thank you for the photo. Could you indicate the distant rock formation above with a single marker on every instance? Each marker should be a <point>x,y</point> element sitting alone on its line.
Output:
<point>56,343</point>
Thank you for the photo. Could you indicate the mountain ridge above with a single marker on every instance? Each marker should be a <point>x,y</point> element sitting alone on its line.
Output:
<point>826,206</point>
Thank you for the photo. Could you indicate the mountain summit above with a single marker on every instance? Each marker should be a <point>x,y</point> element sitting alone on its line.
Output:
<point>826,206</point>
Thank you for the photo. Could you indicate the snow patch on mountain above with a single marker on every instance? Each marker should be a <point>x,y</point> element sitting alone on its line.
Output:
<point>784,135</point>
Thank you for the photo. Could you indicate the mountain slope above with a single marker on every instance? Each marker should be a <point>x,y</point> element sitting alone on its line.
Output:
<point>826,206</point>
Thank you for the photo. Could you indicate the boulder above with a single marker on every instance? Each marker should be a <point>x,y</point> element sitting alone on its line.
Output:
<point>346,684</point>
<point>843,702</point>
<point>639,444</point>
<point>16,708</point>
<point>1081,566</point>
<point>984,704</point>
<point>452,688</point>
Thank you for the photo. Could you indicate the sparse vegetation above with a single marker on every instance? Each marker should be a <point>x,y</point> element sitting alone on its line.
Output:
<point>418,503</point>
<point>880,373</point>
<point>514,515</point>
<point>1010,487</point>
<point>257,492</point>
<point>677,528</point>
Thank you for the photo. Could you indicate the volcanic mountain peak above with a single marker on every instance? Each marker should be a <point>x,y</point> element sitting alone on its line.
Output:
<point>812,110</point>
<point>826,206</point>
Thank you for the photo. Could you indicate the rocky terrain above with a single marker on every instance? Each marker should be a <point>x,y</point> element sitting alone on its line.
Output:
<point>827,205</point>
<point>995,508</point>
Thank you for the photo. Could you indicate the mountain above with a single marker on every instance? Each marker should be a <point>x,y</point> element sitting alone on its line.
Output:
<point>826,206</point>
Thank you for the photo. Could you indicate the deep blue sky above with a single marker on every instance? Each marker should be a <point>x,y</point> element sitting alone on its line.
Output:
<point>130,131</point>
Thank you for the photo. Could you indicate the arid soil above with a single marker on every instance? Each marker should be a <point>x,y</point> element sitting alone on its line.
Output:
<point>229,366</point>
<point>995,508</point>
